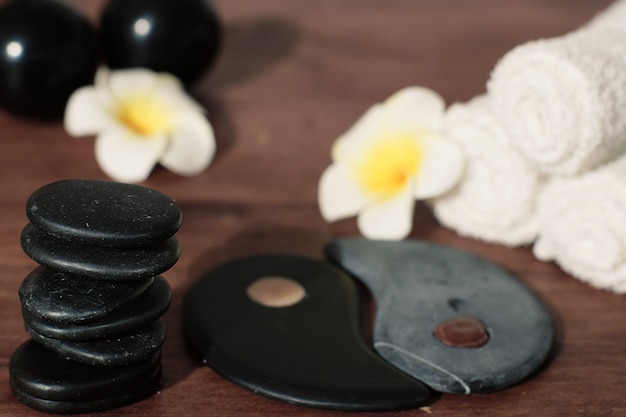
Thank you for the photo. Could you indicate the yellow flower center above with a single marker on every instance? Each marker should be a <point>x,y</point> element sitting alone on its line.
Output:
<point>387,167</point>
<point>145,115</point>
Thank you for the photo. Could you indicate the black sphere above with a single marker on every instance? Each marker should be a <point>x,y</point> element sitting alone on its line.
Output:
<point>180,37</point>
<point>47,50</point>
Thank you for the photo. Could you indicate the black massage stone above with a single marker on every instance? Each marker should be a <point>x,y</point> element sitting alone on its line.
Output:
<point>145,309</point>
<point>64,297</point>
<point>43,380</point>
<point>181,37</point>
<point>40,38</point>
<point>104,213</point>
<point>99,262</point>
<point>119,350</point>
<point>310,352</point>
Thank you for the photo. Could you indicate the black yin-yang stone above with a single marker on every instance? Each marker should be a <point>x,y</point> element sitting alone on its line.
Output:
<point>181,37</point>
<point>287,327</point>
<point>104,213</point>
<point>43,380</point>
<point>47,50</point>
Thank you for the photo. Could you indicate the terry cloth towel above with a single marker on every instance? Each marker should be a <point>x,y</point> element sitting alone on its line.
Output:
<point>495,200</point>
<point>612,18</point>
<point>582,223</point>
<point>563,99</point>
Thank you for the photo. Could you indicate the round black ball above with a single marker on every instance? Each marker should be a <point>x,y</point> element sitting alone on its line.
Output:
<point>181,37</point>
<point>47,50</point>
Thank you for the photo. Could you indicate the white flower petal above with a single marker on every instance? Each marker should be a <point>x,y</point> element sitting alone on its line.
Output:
<point>414,109</point>
<point>192,145</point>
<point>85,114</point>
<point>102,77</point>
<point>390,219</point>
<point>355,140</point>
<point>338,195</point>
<point>105,95</point>
<point>175,97</point>
<point>442,165</point>
<point>129,80</point>
<point>126,157</point>
<point>166,80</point>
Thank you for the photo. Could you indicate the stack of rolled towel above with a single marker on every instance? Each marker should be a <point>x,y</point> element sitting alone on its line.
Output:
<point>546,152</point>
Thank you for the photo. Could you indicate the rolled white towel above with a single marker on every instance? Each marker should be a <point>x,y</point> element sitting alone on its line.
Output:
<point>582,223</point>
<point>495,200</point>
<point>613,17</point>
<point>563,99</point>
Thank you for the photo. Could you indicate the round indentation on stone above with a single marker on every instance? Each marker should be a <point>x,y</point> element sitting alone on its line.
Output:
<point>462,332</point>
<point>276,291</point>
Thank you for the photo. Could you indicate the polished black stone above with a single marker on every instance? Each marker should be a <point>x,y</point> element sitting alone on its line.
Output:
<point>99,262</point>
<point>63,297</point>
<point>104,213</point>
<point>181,37</point>
<point>421,288</point>
<point>145,309</point>
<point>310,353</point>
<point>113,351</point>
<point>43,380</point>
<point>48,50</point>
<point>149,387</point>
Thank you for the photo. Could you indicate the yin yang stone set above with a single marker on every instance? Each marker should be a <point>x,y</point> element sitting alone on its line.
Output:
<point>93,307</point>
<point>288,327</point>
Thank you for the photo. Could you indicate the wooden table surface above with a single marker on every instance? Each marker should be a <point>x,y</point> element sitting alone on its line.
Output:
<point>292,76</point>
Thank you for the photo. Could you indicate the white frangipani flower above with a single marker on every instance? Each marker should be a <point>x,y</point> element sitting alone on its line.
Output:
<point>141,118</point>
<point>391,156</point>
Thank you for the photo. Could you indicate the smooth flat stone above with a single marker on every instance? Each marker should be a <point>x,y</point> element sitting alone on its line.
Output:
<point>67,407</point>
<point>431,300</point>
<point>287,327</point>
<point>43,380</point>
<point>42,373</point>
<point>119,350</point>
<point>99,262</point>
<point>69,298</point>
<point>104,213</point>
<point>145,309</point>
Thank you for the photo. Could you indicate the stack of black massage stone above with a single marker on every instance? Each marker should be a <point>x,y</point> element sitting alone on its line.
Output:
<point>93,307</point>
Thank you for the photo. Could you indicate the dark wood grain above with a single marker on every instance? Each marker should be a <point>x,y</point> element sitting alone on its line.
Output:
<point>292,76</point>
